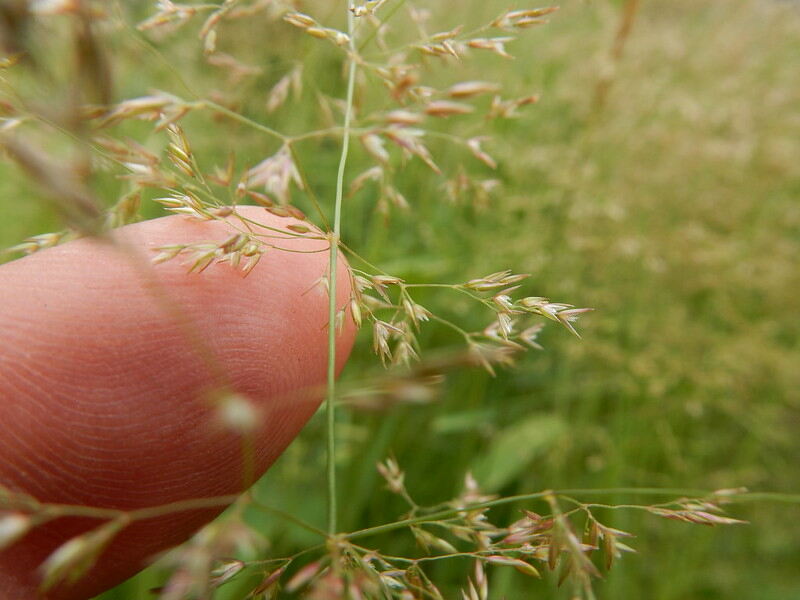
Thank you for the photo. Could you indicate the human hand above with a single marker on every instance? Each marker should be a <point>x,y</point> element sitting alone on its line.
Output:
<point>108,368</point>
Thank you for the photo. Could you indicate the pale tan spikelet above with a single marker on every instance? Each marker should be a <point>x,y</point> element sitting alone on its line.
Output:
<point>225,572</point>
<point>300,20</point>
<point>445,108</point>
<point>73,559</point>
<point>474,144</point>
<point>496,45</point>
<point>260,199</point>
<point>430,541</point>
<point>355,312</point>
<point>279,93</point>
<point>379,283</point>
<point>170,15</point>
<point>523,18</point>
<point>210,42</point>
<point>529,22</point>
<point>529,335</point>
<point>469,89</point>
<point>276,173</point>
<point>394,477</point>
<point>447,35</point>
<point>375,173</point>
<point>208,32</point>
<point>393,195</point>
<point>532,12</point>
<point>236,70</point>
<point>54,7</point>
<point>223,177</point>
<point>339,38</point>
<point>380,339</point>
<point>252,259</point>
<point>410,140</point>
<point>304,576</point>
<point>13,527</point>
<point>269,583</point>
<point>185,204</point>
<point>400,78</point>
<point>519,564</point>
<point>403,118</point>
<point>481,581</point>
<point>39,242</point>
<point>508,108</point>
<point>179,151</point>
<point>237,413</point>
<point>203,257</point>
<point>150,107</point>
<point>570,315</point>
<point>375,145</point>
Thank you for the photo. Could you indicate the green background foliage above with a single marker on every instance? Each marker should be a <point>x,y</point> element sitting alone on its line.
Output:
<point>672,208</point>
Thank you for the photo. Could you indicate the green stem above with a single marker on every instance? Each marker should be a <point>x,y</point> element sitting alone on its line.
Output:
<point>285,516</point>
<point>307,185</point>
<point>242,119</point>
<point>383,22</point>
<point>334,253</point>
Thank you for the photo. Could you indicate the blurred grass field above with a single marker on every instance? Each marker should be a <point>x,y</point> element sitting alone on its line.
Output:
<point>671,207</point>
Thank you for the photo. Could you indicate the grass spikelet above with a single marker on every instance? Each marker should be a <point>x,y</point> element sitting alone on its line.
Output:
<point>73,559</point>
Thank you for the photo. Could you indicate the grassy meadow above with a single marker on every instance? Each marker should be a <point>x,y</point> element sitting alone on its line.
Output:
<point>659,186</point>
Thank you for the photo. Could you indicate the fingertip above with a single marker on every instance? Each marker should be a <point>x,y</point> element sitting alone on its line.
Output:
<point>110,362</point>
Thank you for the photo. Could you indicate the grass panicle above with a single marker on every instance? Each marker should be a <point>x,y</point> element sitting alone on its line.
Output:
<point>395,136</point>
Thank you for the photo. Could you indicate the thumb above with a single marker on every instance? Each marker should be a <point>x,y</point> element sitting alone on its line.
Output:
<point>109,371</point>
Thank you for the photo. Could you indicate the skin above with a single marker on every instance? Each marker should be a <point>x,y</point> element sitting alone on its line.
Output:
<point>108,366</point>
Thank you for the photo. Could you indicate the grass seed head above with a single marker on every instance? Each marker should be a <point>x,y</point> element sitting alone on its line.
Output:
<point>276,173</point>
<point>300,20</point>
<point>375,145</point>
<point>13,527</point>
<point>474,145</point>
<point>403,118</point>
<point>496,45</point>
<point>238,414</point>
<point>469,89</point>
<point>74,558</point>
<point>445,108</point>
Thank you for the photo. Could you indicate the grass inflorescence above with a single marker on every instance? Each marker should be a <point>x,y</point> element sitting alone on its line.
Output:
<point>422,170</point>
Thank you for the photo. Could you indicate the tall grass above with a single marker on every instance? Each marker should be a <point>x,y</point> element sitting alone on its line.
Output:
<point>670,206</point>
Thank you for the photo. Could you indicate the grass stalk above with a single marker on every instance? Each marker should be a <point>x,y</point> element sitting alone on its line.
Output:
<point>330,407</point>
